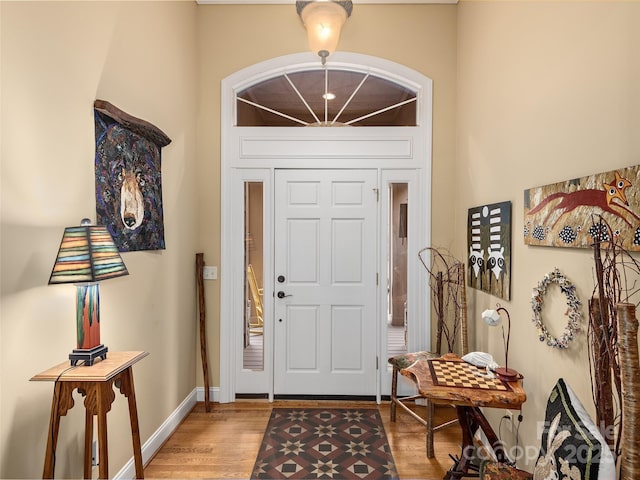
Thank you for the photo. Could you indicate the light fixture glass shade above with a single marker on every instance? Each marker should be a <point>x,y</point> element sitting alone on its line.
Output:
<point>323,21</point>
<point>87,254</point>
<point>491,317</point>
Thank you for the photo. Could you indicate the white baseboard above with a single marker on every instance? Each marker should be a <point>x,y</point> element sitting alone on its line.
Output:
<point>214,394</point>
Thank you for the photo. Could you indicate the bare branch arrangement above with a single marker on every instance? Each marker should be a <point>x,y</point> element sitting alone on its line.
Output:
<point>449,299</point>
<point>617,281</point>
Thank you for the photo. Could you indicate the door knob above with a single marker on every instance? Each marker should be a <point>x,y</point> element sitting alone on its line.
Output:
<point>281,294</point>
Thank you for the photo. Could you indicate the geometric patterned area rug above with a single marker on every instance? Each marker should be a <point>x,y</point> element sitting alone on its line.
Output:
<point>338,443</point>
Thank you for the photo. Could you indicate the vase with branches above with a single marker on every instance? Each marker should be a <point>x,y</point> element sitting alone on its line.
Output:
<point>617,281</point>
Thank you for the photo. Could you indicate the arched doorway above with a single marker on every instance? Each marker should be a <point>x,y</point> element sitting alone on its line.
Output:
<point>255,159</point>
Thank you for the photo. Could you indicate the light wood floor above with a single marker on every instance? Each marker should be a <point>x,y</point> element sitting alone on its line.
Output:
<point>224,443</point>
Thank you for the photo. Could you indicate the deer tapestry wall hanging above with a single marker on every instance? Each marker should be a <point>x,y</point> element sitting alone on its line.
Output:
<point>576,213</point>
<point>128,178</point>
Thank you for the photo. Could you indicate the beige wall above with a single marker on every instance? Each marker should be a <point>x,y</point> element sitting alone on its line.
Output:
<point>57,58</point>
<point>525,93</point>
<point>548,91</point>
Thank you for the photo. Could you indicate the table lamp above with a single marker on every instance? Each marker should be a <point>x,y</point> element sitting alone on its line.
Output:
<point>493,318</point>
<point>86,256</point>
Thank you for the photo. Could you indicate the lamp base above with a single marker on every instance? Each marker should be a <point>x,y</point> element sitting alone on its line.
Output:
<point>88,354</point>
<point>507,374</point>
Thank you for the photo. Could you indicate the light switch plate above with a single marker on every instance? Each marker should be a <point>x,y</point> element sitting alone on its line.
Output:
<point>210,273</point>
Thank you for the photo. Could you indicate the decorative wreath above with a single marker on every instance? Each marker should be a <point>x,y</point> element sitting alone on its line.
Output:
<point>573,312</point>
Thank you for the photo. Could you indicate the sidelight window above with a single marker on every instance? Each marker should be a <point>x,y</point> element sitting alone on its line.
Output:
<point>397,269</point>
<point>253,348</point>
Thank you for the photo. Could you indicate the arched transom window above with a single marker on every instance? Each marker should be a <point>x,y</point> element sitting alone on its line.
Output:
<point>328,98</point>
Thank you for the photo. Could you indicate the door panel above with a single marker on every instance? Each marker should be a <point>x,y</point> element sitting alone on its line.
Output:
<point>326,321</point>
<point>346,327</point>
<point>302,323</point>
<point>303,263</point>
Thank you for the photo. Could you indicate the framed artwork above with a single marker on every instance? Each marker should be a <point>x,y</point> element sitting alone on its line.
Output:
<point>576,212</point>
<point>489,242</point>
<point>128,178</point>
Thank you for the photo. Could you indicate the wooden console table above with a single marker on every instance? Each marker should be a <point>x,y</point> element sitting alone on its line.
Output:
<point>467,402</point>
<point>95,383</point>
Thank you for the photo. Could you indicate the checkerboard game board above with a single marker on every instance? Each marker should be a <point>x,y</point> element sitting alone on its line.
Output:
<point>448,373</point>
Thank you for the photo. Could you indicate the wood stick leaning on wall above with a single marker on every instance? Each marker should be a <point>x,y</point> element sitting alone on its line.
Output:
<point>203,329</point>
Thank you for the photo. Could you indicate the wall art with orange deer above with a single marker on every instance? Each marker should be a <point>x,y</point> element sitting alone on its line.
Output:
<point>128,178</point>
<point>581,211</point>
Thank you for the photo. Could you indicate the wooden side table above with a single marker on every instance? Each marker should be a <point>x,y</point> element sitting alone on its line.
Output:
<point>467,402</point>
<point>95,383</point>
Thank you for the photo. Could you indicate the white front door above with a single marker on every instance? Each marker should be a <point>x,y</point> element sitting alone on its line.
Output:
<point>325,288</point>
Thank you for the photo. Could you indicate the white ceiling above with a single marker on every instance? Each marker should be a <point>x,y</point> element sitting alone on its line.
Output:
<point>257,2</point>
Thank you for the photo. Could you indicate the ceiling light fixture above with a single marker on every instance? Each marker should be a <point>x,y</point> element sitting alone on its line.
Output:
<point>323,20</point>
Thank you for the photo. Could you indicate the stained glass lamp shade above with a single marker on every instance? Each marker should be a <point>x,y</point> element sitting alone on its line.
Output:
<point>87,255</point>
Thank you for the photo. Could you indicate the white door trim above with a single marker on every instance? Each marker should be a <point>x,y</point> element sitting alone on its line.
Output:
<point>252,379</point>
<point>419,332</point>
<point>267,148</point>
